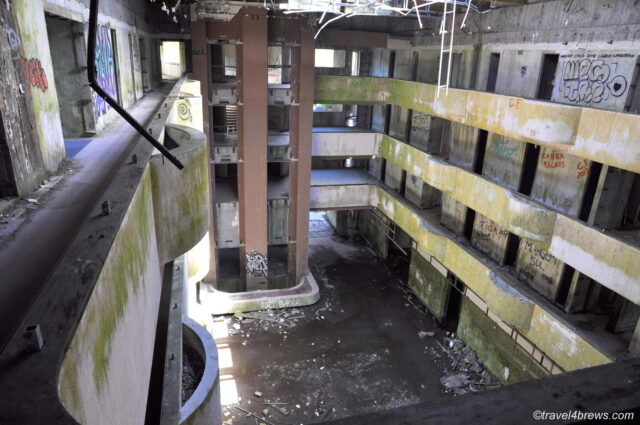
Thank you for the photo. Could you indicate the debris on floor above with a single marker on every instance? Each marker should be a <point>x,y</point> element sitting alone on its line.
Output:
<point>353,352</point>
<point>467,373</point>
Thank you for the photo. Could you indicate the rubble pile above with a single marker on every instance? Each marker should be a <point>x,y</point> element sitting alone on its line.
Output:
<point>467,374</point>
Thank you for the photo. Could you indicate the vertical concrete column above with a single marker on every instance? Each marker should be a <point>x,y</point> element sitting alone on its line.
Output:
<point>201,69</point>
<point>252,146</point>
<point>300,128</point>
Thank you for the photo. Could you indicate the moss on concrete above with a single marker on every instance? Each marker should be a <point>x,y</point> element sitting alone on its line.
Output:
<point>181,197</point>
<point>429,285</point>
<point>123,272</point>
<point>495,347</point>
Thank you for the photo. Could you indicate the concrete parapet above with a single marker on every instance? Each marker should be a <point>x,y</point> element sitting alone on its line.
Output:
<point>604,136</point>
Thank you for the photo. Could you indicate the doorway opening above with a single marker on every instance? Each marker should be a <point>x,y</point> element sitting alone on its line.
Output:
<point>7,179</point>
<point>494,63</point>
<point>172,59</point>
<point>69,59</point>
<point>547,76</point>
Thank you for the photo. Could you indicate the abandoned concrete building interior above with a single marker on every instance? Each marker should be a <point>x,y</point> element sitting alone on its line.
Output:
<point>345,212</point>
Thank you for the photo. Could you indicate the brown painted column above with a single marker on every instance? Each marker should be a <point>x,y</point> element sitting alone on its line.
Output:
<point>201,69</point>
<point>300,128</point>
<point>252,146</point>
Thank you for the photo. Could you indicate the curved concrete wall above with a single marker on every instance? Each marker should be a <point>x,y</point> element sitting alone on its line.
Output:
<point>203,407</point>
<point>104,376</point>
<point>182,218</point>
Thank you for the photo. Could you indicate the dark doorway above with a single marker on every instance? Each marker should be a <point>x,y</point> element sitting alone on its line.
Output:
<point>547,76</point>
<point>529,168</point>
<point>481,148</point>
<point>146,86</point>
<point>68,57</point>
<point>133,68</point>
<point>392,63</point>
<point>494,63</point>
<point>7,180</point>
<point>454,301</point>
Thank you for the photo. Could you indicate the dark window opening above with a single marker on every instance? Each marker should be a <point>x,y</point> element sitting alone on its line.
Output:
<point>392,63</point>
<point>547,76</point>
<point>7,180</point>
<point>590,190</point>
<point>529,167</point>
<point>469,219</point>
<point>513,243</point>
<point>453,303</point>
<point>494,62</point>
<point>564,286</point>
<point>481,147</point>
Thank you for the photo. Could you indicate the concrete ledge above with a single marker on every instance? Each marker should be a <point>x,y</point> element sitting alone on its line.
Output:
<point>203,407</point>
<point>571,241</point>
<point>603,136</point>
<point>303,294</point>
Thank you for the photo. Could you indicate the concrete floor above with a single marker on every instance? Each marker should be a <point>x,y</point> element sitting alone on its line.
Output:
<point>357,350</point>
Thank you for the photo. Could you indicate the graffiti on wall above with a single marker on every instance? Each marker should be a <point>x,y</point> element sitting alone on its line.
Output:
<point>504,149</point>
<point>553,160</point>
<point>184,110</point>
<point>594,79</point>
<point>31,69</point>
<point>34,73</point>
<point>256,264</point>
<point>105,69</point>
<point>420,126</point>
<point>583,168</point>
<point>14,42</point>
<point>537,265</point>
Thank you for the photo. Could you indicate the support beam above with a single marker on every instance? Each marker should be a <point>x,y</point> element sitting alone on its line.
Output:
<point>201,65</point>
<point>300,128</point>
<point>252,146</point>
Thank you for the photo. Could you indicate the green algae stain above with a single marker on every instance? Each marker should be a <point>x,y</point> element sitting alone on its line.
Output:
<point>124,271</point>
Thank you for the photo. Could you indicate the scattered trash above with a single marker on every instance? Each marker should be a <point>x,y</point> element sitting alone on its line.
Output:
<point>257,394</point>
<point>278,409</point>
<point>424,334</point>
<point>468,374</point>
<point>454,381</point>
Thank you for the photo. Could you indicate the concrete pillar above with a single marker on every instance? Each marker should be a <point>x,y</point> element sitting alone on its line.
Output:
<point>252,146</point>
<point>393,176</point>
<point>200,51</point>
<point>300,128</point>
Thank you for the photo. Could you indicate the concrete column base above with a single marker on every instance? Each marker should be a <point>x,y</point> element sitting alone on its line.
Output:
<point>304,294</point>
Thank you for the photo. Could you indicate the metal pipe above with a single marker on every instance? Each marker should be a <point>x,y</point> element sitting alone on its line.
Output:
<point>93,83</point>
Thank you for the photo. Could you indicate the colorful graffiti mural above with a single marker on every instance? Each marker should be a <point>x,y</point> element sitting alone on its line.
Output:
<point>105,68</point>
<point>34,73</point>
